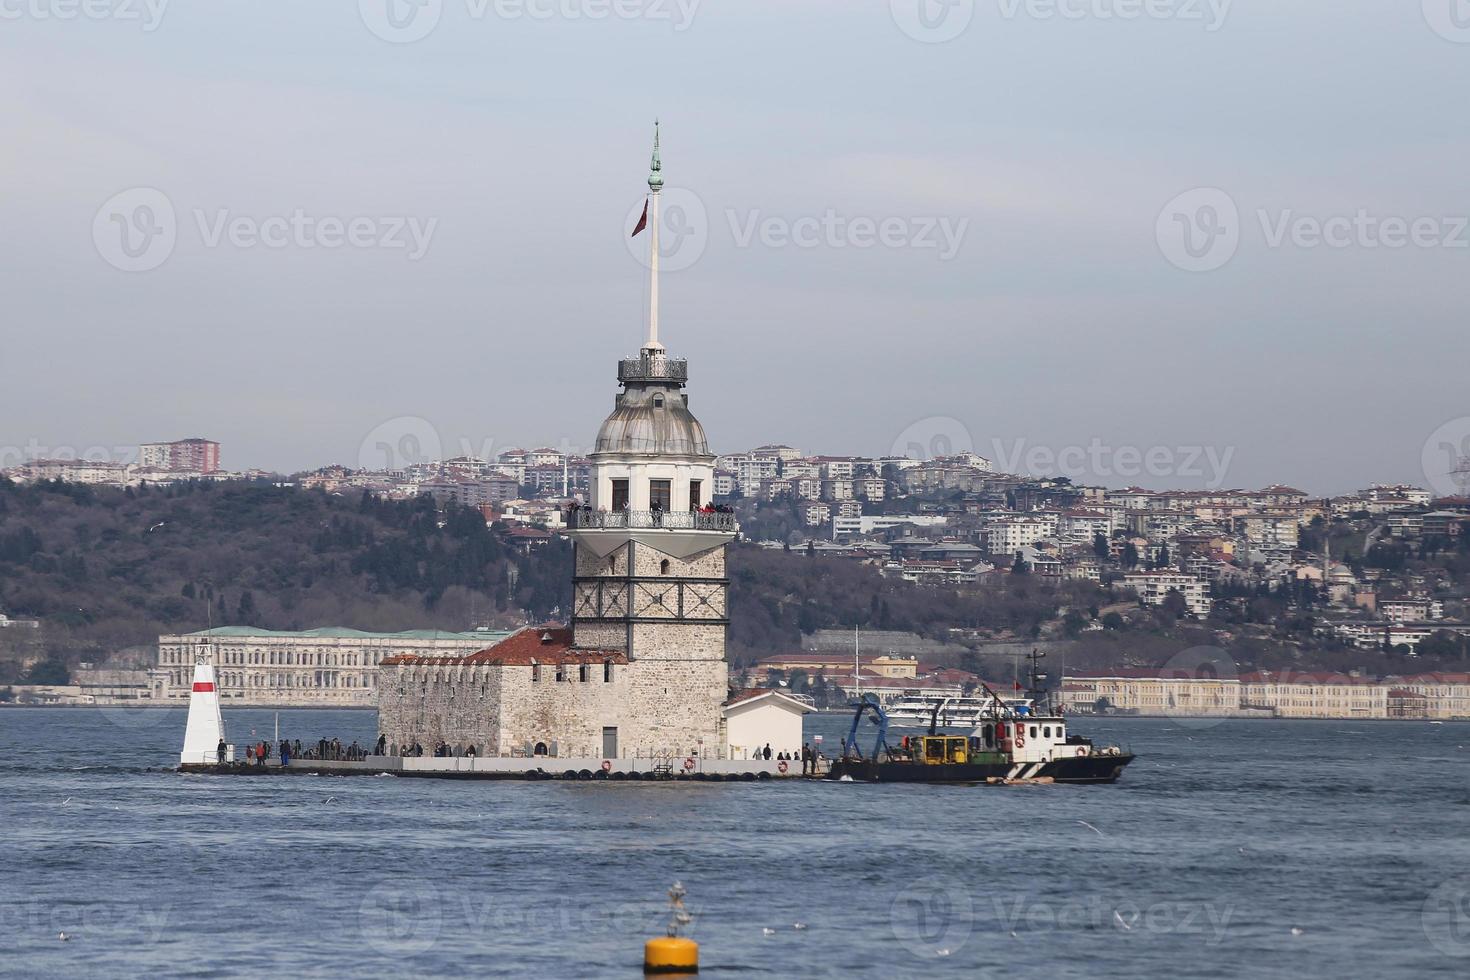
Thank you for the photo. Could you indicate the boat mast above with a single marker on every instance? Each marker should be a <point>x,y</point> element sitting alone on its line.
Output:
<point>1039,697</point>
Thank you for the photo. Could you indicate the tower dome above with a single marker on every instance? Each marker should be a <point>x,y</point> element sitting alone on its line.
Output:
<point>651,416</point>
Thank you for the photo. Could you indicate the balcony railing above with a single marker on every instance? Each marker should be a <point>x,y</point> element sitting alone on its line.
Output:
<point>653,369</point>
<point>639,520</point>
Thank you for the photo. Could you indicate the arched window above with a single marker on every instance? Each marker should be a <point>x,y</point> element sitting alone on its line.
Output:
<point>540,748</point>
<point>663,567</point>
<point>658,401</point>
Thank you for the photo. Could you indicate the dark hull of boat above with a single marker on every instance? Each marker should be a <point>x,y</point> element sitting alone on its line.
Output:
<point>1080,769</point>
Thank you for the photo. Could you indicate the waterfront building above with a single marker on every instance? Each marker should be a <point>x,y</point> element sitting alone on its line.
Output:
<point>1150,691</point>
<point>331,667</point>
<point>881,665</point>
<point>759,717</point>
<point>1301,694</point>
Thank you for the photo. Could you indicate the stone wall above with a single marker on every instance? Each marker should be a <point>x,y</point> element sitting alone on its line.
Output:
<point>660,707</point>
<point>664,702</point>
<point>430,704</point>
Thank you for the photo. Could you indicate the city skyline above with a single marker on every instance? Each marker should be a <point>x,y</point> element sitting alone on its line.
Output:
<point>406,440</point>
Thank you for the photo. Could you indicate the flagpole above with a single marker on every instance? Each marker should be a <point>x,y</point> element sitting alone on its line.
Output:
<point>653,274</point>
<point>655,184</point>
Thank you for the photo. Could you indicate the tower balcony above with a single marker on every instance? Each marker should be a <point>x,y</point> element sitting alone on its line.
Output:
<point>647,368</point>
<point>650,520</point>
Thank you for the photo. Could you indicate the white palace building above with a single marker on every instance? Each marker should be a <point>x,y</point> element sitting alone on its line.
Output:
<point>328,668</point>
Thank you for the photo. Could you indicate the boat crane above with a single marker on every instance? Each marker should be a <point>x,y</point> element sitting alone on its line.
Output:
<point>869,704</point>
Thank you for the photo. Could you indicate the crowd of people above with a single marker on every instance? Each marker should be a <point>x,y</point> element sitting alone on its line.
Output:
<point>813,762</point>
<point>811,758</point>
<point>330,749</point>
<point>442,750</point>
<point>655,508</point>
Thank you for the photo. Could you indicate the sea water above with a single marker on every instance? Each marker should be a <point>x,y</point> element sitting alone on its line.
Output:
<point>1238,848</point>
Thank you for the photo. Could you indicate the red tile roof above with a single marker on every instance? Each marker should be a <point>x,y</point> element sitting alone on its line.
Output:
<point>550,643</point>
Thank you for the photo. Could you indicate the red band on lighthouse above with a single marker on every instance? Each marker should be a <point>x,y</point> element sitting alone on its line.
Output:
<point>204,686</point>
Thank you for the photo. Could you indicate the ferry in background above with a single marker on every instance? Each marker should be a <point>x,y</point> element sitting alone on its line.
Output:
<point>916,711</point>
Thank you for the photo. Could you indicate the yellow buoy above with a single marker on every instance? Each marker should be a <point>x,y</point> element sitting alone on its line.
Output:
<point>666,955</point>
<point>673,955</point>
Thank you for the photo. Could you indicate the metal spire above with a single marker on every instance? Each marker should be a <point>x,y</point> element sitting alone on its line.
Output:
<point>655,175</point>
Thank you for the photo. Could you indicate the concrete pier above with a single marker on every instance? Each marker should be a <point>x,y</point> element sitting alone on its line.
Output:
<point>426,767</point>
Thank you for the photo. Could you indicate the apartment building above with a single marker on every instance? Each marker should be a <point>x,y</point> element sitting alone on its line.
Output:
<point>1008,535</point>
<point>1154,586</point>
<point>182,456</point>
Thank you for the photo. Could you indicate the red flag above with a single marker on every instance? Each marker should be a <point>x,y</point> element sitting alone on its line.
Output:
<point>642,221</point>
<point>1018,685</point>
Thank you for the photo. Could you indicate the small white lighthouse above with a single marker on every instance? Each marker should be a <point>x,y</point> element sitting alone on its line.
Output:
<point>206,728</point>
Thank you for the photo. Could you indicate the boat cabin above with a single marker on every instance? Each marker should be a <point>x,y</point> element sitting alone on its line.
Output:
<point>1021,739</point>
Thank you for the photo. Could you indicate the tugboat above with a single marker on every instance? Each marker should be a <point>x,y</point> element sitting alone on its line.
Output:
<point>1013,743</point>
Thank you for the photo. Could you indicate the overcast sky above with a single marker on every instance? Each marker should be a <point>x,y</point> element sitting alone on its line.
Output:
<point>1071,239</point>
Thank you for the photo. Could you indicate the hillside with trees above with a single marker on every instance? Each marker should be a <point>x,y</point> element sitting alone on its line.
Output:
<point>106,569</point>
<point>109,570</point>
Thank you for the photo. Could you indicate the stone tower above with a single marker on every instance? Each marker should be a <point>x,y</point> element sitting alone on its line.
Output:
<point>650,577</point>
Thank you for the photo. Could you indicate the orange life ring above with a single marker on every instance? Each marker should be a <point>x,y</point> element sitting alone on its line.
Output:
<point>607,765</point>
<point>1020,735</point>
<point>1081,750</point>
<point>782,765</point>
<point>689,764</point>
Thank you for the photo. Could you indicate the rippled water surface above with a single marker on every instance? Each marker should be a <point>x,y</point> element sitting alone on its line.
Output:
<point>1264,849</point>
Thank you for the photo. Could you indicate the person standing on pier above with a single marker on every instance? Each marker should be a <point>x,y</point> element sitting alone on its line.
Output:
<point>219,753</point>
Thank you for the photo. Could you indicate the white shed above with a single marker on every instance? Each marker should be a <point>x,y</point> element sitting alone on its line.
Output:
<point>759,717</point>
